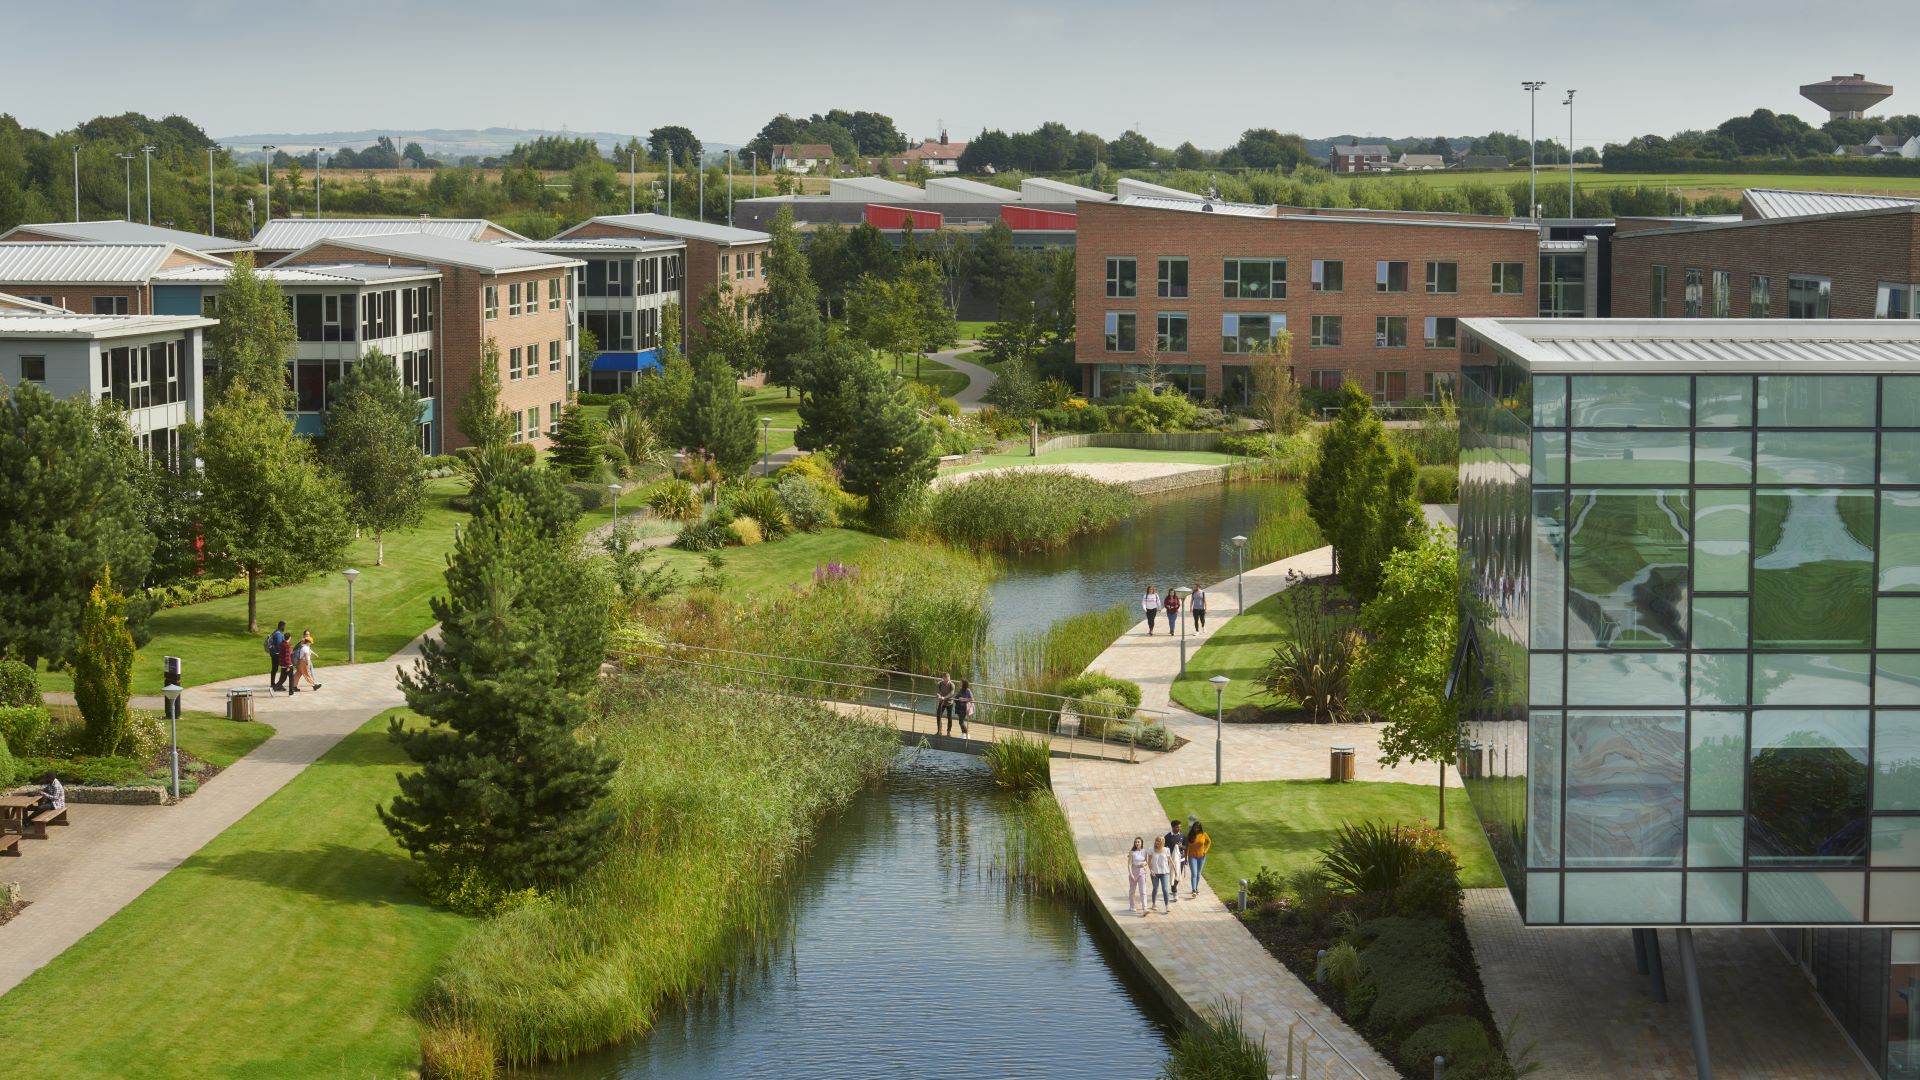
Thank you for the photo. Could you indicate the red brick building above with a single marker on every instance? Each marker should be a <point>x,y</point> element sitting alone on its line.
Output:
<point>716,254</point>
<point>94,278</point>
<point>1368,296</point>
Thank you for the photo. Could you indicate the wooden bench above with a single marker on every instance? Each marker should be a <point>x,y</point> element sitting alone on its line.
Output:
<point>10,844</point>
<point>36,827</point>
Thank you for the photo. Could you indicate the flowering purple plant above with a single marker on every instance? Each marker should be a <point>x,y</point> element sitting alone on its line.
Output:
<point>835,571</point>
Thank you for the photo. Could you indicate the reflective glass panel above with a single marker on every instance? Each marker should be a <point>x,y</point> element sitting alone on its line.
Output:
<point>1631,401</point>
<point>1543,789</point>
<point>1720,622</point>
<point>1626,899</point>
<point>1807,787</point>
<point>1630,457</point>
<point>1896,761</point>
<point>1900,457</point>
<point>1896,841</point>
<point>1548,591</point>
<point>1813,568</point>
<point>1549,401</point>
<point>1627,568</point>
<point>1896,898</point>
<point>1900,541</point>
<point>1714,841</point>
<point>1543,678</point>
<point>1717,765</point>
<point>1724,401</point>
<point>1896,679</point>
<point>1813,457</point>
<point>1713,898</point>
<point>1549,457</point>
<point>1822,896</point>
<point>1623,678</point>
<point>1719,679</point>
<point>1900,401</point>
<point>1543,899</point>
<point>1625,784</point>
<point>1898,623</point>
<point>1816,401</point>
<point>1723,457</point>
<point>1810,679</point>
<point>1720,540</point>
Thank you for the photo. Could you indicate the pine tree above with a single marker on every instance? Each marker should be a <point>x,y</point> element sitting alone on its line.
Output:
<point>576,446</point>
<point>715,419</point>
<point>506,789</point>
<point>373,445</point>
<point>103,667</point>
<point>479,415</point>
<point>888,456</point>
<point>828,407</point>
<point>1363,494</point>
<point>790,307</point>
<point>255,337</point>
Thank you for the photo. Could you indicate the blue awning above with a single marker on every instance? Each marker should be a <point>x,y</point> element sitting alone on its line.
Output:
<point>643,360</point>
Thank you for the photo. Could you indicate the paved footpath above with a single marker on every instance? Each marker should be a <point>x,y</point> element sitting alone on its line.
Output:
<point>81,875</point>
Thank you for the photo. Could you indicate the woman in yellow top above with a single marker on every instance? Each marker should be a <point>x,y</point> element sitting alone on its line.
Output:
<point>1198,844</point>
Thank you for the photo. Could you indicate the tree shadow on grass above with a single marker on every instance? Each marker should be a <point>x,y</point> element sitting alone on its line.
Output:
<point>333,873</point>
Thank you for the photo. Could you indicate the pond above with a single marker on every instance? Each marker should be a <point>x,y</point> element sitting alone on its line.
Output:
<point>907,954</point>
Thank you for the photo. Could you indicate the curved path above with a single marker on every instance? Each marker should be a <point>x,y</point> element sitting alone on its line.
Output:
<point>979,379</point>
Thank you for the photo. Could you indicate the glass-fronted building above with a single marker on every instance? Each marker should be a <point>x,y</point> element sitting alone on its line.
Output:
<point>1691,669</point>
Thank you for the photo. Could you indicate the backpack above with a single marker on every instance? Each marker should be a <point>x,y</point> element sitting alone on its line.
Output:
<point>273,647</point>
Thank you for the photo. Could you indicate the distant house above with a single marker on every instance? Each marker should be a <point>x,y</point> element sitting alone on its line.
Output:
<point>1420,162</point>
<point>1484,161</point>
<point>1360,157</point>
<point>938,155</point>
<point>800,157</point>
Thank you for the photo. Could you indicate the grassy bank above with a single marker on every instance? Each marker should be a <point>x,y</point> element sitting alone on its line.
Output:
<point>718,795</point>
<point>1097,455</point>
<point>1239,648</point>
<point>1283,824</point>
<point>291,945</point>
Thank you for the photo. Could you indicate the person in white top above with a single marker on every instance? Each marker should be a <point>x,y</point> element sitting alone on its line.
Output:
<point>1137,876</point>
<point>1150,604</point>
<point>1161,864</point>
<point>303,657</point>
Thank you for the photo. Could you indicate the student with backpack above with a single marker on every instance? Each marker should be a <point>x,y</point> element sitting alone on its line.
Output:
<point>274,667</point>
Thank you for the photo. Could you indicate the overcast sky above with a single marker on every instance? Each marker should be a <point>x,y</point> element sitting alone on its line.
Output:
<point>1179,69</point>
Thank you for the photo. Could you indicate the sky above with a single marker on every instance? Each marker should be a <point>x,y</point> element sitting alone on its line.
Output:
<point>1197,70</point>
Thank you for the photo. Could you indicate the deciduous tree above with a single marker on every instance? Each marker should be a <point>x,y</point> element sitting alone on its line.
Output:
<point>1413,626</point>
<point>254,339</point>
<point>479,416</point>
<point>373,445</point>
<point>716,419</point>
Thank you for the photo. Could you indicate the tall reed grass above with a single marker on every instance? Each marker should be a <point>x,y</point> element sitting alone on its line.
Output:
<point>1284,527</point>
<point>1026,510</point>
<point>1220,1049</point>
<point>1034,665</point>
<point>1039,855</point>
<point>1020,764</point>
<point>718,794</point>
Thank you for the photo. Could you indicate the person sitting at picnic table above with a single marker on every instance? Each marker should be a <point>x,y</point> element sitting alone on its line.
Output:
<point>52,797</point>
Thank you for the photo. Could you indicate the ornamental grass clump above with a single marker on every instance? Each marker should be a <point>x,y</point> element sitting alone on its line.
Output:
<point>1020,764</point>
<point>1038,853</point>
<point>1220,1048</point>
<point>1026,510</point>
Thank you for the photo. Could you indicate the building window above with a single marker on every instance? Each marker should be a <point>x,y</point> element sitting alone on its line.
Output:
<point>491,301</point>
<point>513,300</point>
<point>1759,297</point>
<point>553,355</point>
<point>1329,275</point>
<point>1120,331</point>
<point>1722,294</point>
<point>1509,279</point>
<point>1390,332</point>
<point>1255,279</point>
<point>513,363</point>
<point>1173,278</point>
<point>109,305</point>
<point>1807,297</point>
<point>1389,276</point>
<point>1436,385</point>
<point>1389,386</point>
<point>1893,301</point>
<point>1326,379</point>
<point>751,257</point>
<point>1657,292</point>
<point>1120,277</point>
<point>533,297</point>
<point>1441,332</point>
<point>1695,283</point>
<point>519,425</point>
<point>1326,330</point>
<point>553,294</point>
<point>33,369</point>
<point>1249,333</point>
<point>1443,277</point>
<point>726,266</point>
<point>553,419</point>
<point>1563,285</point>
<point>1171,331</point>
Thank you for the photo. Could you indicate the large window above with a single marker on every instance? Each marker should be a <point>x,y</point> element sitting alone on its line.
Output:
<point>1389,276</point>
<point>324,316</point>
<point>1625,787</point>
<point>513,300</point>
<point>1255,279</point>
<point>1389,386</point>
<point>490,301</point>
<point>1657,292</point>
<point>1120,331</point>
<point>1170,331</point>
<point>1893,301</point>
<point>1807,297</point>
<point>1329,275</point>
<point>1443,277</point>
<point>109,305</point>
<point>1813,567</point>
<point>1326,330</point>
<point>513,363</point>
<point>1696,281</point>
<point>1509,279</point>
<point>1173,278</point>
<point>1248,333</point>
<point>1441,332</point>
<point>1563,285</point>
<point>1722,294</point>
<point>1121,277</point>
<point>1759,297</point>
<point>379,314</point>
<point>553,293</point>
<point>1807,787</point>
<point>1390,332</point>
<point>1627,565</point>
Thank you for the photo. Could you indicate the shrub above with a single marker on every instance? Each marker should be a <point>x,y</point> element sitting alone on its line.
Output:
<point>6,764</point>
<point>815,467</point>
<point>1409,978</point>
<point>1220,1049</point>
<point>1026,510</point>
<point>675,500</point>
<point>18,685</point>
<point>1247,444</point>
<point>1343,967</point>
<point>706,534</point>
<point>146,735</point>
<point>746,531</point>
<point>1144,410</point>
<point>111,771</point>
<point>616,460</point>
<point>1266,884</point>
<point>805,502</point>
<point>1020,764</point>
<point>589,496</point>
<point>25,728</point>
<point>1439,484</point>
<point>1209,419</point>
<point>1087,684</point>
<point>1394,869</point>
<point>1085,419</point>
<point>618,408</point>
<point>1459,1039</point>
<point>1315,667</point>
<point>762,506</point>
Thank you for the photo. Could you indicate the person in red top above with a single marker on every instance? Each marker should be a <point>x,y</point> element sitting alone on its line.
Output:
<point>286,663</point>
<point>1173,610</point>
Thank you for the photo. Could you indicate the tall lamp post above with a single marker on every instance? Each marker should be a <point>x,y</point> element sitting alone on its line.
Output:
<point>1219,720</point>
<point>171,692</point>
<point>753,159</point>
<point>1532,87</point>
<point>147,152</point>
<point>128,158</point>
<point>76,181</point>
<point>318,165</point>
<point>212,224</point>
<point>269,149</point>
<point>350,573</point>
<point>766,441</point>
<point>633,174</point>
<point>731,158</point>
<point>1569,104</point>
<point>615,488</point>
<point>1183,592</point>
<point>1240,575</point>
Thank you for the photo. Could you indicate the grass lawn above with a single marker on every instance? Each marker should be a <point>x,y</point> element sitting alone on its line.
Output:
<point>1238,649</point>
<point>773,401</point>
<point>971,329</point>
<point>1283,824</point>
<point>764,567</point>
<point>217,740</point>
<point>390,608</point>
<point>939,376</point>
<point>1099,454</point>
<point>291,945</point>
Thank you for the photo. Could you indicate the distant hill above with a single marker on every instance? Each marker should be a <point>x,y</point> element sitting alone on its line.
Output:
<point>448,144</point>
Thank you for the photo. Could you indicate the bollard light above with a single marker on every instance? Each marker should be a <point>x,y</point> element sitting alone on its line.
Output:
<point>1243,896</point>
<point>350,573</point>
<point>766,440</point>
<point>171,692</point>
<point>615,488</point>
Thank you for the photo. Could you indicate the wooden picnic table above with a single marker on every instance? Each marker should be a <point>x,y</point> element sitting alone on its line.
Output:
<point>13,812</point>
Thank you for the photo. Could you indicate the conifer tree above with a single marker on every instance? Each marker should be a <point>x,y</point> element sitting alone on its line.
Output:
<point>1363,494</point>
<point>103,667</point>
<point>479,416</point>
<point>790,308</point>
<point>576,445</point>
<point>888,455</point>
<point>715,419</point>
<point>373,445</point>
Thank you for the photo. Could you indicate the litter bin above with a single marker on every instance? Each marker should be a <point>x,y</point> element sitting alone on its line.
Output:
<point>1340,764</point>
<point>240,705</point>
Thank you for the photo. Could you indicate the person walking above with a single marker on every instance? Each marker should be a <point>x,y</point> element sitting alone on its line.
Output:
<point>273,655</point>
<point>1137,876</point>
<point>1173,612</point>
<point>1160,863</point>
<point>963,705</point>
<point>1197,605</point>
<point>1198,844</point>
<point>1150,604</point>
<point>303,657</point>
<point>1176,847</point>
<point>943,702</point>
<point>286,664</point>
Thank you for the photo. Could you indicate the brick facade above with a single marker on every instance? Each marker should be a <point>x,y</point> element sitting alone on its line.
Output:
<point>703,262</point>
<point>1855,251</point>
<point>1357,240</point>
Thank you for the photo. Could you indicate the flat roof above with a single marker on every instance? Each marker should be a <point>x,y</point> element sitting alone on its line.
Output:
<point>609,245</point>
<point>131,232</point>
<point>334,274</point>
<point>52,262</point>
<point>1684,346</point>
<point>680,227</point>
<point>97,326</point>
<point>1272,212</point>
<point>418,248</point>
<point>291,234</point>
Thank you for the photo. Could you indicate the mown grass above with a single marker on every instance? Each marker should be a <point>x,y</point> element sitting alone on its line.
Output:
<point>972,329</point>
<point>292,944</point>
<point>775,567</point>
<point>717,797</point>
<point>1239,648</point>
<point>1025,511</point>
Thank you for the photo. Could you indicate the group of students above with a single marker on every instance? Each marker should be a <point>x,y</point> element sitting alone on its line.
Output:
<point>1163,865</point>
<point>951,703</point>
<point>289,661</point>
<point>1153,603</point>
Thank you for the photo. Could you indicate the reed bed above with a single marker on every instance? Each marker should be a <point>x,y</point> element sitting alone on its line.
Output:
<point>1220,1049</point>
<point>1026,510</point>
<point>1039,855</point>
<point>1020,764</point>
<point>718,795</point>
<point>1034,665</point>
<point>1284,527</point>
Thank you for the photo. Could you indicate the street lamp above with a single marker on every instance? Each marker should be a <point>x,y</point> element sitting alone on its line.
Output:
<point>731,157</point>
<point>76,181</point>
<point>753,159</point>
<point>269,149</point>
<point>633,164</point>
<point>766,440</point>
<point>1219,718</point>
<point>1532,87</point>
<point>128,158</point>
<point>147,151</point>
<point>1240,575</point>
<point>615,488</point>
<point>212,224</point>
<point>350,573</point>
<point>1183,592</point>
<point>318,165</point>
<point>171,692</point>
<point>1569,104</point>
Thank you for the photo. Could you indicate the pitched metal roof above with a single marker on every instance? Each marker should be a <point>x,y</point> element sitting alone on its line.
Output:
<point>1781,203</point>
<point>954,188</point>
<point>1197,205</point>
<point>417,248</point>
<point>20,305</point>
<point>1601,346</point>
<point>680,227</point>
<point>131,232</point>
<point>334,274</point>
<point>291,234</point>
<point>602,244</point>
<point>96,326</point>
<point>1039,189</point>
<point>45,262</point>
<point>1363,149</point>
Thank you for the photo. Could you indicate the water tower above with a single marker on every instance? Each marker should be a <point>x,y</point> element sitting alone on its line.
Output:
<point>1846,97</point>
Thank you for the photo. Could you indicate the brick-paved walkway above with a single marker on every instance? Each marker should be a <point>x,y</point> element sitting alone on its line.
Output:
<point>81,875</point>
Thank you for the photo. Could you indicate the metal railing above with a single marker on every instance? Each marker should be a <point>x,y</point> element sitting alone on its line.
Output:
<point>1326,1055</point>
<point>1075,727</point>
